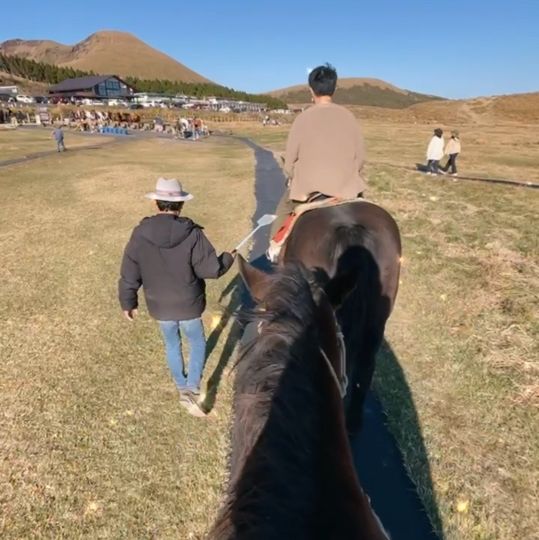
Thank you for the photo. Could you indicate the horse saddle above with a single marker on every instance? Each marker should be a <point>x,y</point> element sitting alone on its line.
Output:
<point>315,201</point>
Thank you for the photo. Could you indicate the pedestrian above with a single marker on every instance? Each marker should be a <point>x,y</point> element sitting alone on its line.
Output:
<point>325,150</point>
<point>452,150</point>
<point>435,152</point>
<point>197,124</point>
<point>170,257</point>
<point>58,135</point>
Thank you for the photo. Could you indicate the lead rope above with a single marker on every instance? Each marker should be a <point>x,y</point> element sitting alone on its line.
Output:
<point>342,384</point>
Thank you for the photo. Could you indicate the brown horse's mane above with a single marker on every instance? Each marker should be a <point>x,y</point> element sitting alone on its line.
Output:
<point>288,430</point>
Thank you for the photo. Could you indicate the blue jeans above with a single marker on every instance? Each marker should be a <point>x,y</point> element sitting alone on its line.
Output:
<point>60,145</point>
<point>194,332</point>
<point>432,165</point>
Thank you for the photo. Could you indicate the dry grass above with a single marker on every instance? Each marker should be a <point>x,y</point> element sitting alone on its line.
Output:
<point>92,440</point>
<point>17,143</point>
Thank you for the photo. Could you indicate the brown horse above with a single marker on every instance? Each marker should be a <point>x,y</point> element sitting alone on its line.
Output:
<point>356,250</point>
<point>292,474</point>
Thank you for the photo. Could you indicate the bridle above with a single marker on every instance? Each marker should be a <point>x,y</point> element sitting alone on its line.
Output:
<point>342,381</point>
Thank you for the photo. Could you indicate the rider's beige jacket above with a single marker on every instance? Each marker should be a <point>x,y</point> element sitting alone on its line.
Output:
<point>325,152</point>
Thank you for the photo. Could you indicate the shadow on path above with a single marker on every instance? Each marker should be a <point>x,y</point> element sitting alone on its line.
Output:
<point>380,464</point>
<point>268,187</point>
<point>235,290</point>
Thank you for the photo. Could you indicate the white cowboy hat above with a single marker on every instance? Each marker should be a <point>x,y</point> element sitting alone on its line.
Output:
<point>169,189</point>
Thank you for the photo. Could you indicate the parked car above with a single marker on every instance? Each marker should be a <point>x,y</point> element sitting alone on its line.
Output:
<point>117,102</point>
<point>41,99</point>
<point>136,106</point>
<point>25,99</point>
<point>7,98</point>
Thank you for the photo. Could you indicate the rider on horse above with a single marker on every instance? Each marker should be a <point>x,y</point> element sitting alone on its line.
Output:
<point>325,152</point>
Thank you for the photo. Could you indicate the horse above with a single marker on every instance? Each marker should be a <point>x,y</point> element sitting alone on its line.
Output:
<point>356,249</point>
<point>291,474</point>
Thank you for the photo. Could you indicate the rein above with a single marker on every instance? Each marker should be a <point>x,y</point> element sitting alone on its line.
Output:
<point>342,382</point>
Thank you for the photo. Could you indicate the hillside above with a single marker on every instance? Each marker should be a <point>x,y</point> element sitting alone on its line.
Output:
<point>105,52</point>
<point>24,85</point>
<point>359,91</point>
<point>521,108</point>
<point>494,110</point>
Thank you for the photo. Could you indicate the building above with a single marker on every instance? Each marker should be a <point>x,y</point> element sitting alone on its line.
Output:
<point>94,87</point>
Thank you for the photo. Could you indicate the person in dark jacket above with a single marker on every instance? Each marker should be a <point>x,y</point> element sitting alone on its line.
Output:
<point>170,257</point>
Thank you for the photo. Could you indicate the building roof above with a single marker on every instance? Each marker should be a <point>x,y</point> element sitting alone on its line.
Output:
<point>82,83</point>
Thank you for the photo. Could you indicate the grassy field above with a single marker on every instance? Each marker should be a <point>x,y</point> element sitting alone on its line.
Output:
<point>92,440</point>
<point>17,143</point>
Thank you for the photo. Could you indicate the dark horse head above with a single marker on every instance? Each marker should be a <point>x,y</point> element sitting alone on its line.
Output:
<point>292,474</point>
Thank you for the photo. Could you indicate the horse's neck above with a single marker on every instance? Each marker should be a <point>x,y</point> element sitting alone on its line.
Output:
<point>275,483</point>
<point>298,479</point>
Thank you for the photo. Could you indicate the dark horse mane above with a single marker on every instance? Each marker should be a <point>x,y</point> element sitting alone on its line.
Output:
<point>289,430</point>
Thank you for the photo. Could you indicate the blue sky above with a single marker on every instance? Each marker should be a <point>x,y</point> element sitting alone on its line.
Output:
<point>452,48</point>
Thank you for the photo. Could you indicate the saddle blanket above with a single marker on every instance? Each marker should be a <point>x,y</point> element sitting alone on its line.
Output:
<point>280,237</point>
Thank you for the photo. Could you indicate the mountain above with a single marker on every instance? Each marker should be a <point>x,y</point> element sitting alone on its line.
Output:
<point>105,52</point>
<point>359,91</point>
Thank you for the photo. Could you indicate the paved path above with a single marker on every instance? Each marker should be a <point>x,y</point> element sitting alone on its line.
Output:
<point>378,460</point>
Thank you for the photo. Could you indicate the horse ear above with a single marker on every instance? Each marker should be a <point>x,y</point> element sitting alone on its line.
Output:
<point>256,281</point>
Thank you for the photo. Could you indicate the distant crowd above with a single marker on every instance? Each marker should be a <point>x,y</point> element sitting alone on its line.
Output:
<point>92,121</point>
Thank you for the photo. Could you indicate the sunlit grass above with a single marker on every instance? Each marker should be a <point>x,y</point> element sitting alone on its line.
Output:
<point>93,442</point>
<point>17,143</point>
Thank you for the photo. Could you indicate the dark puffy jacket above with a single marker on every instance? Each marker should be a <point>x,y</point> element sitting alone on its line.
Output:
<point>170,257</point>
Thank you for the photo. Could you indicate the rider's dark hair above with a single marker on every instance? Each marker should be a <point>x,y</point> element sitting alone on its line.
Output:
<point>169,206</point>
<point>438,132</point>
<point>323,80</point>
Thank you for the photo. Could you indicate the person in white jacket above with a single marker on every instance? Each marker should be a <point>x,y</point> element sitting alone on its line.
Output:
<point>435,152</point>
